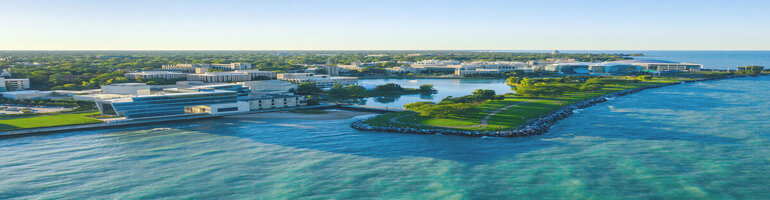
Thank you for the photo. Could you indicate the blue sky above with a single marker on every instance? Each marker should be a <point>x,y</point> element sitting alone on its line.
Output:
<point>385,25</point>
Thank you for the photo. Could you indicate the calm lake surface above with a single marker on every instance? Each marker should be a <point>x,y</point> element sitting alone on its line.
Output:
<point>445,87</point>
<point>698,140</point>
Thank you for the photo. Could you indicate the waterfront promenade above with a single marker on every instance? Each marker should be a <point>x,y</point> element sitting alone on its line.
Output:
<point>115,124</point>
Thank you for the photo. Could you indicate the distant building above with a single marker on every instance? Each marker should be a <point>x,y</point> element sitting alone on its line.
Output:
<point>167,75</point>
<point>555,52</point>
<point>662,65</point>
<point>6,73</point>
<point>322,81</point>
<point>191,67</point>
<point>403,70</point>
<point>258,75</point>
<point>435,65</point>
<point>270,101</point>
<point>14,84</point>
<point>26,94</point>
<point>126,89</point>
<point>219,77</point>
<point>358,66</point>
<point>268,86</point>
<point>485,67</point>
<point>570,68</point>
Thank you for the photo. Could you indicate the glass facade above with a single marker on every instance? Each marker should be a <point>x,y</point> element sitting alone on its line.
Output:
<point>164,105</point>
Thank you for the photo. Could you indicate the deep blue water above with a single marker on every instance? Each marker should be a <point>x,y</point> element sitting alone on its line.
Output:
<point>709,59</point>
<point>690,141</point>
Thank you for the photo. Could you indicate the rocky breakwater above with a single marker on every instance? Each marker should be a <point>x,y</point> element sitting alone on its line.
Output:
<point>533,127</point>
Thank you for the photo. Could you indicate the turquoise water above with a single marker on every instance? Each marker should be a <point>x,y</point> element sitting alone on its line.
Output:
<point>709,59</point>
<point>701,140</point>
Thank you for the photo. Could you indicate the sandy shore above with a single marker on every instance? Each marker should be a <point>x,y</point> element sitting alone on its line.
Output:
<point>329,115</point>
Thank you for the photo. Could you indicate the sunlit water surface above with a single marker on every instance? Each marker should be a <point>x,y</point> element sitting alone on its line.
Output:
<point>699,140</point>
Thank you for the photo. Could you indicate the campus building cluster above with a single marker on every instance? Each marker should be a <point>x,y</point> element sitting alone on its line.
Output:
<point>322,81</point>
<point>131,101</point>
<point>619,67</point>
<point>192,67</point>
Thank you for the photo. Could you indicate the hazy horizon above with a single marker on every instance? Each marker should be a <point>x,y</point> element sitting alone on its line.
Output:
<point>392,25</point>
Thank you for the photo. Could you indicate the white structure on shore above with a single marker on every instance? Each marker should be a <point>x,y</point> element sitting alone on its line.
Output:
<point>167,75</point>
<point>322,81</point>
<point>269,101</point>
<point>191,67</point>
<point>662,65</point>
<point>126,89</point>
<point>481,67</point>
<point>14,84</point>
<point>218,77</point>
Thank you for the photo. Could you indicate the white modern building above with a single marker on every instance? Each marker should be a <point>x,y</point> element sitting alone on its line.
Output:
<point>191,67</point>
<point>271,101</point>
<point>434,63</point>
<point>403,70</point>
<point>14,84</point>
<point>268,86</point>
<point>219,77</point>
<point>322,81</point>
<point>486,67</point>
<point>257,75</point>
<point>167,75</point>
<point>661,65</point>
<point>126,89</point>
<point>212,102</point>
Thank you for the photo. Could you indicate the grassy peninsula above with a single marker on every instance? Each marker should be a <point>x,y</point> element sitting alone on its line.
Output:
<point>534,97</point>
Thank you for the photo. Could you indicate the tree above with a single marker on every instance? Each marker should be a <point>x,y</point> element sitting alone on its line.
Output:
<point>389,88</point>
<point>643,78</point>
<point>308,88</point>
<point>340,92</point>
<point>481,95</point>
<point>527,82</point>
<point>357,90</point>
<point>427,88</point>
<point>592,84</point>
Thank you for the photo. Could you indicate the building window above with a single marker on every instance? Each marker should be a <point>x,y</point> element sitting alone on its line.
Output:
<point>227,109</point>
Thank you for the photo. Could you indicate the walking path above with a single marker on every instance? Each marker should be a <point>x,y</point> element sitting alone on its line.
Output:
<point>483,120</point>
<point>482,124</point>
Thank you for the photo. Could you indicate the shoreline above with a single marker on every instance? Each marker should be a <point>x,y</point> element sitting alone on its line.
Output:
<point>535,126</point>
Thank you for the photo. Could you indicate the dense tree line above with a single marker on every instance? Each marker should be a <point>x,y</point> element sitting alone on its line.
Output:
<point>89,69</point>
<point>454,105</point>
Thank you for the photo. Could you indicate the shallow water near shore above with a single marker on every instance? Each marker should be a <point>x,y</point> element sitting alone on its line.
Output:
<point>695,140</point>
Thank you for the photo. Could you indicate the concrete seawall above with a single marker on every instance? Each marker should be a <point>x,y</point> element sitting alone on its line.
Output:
<point>533,127</point>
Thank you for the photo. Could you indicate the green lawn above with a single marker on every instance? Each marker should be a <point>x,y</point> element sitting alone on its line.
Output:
<point>530,108</point>
<point>47,121</point>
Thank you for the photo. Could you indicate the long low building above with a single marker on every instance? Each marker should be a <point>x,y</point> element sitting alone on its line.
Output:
<point>167,75</point>
<point>486,67</point>
<point>192,67</point>
<point>271,101</point>
<point>662,65</point>
<point>258,75</point>
<point>219,77</point>
<point>171,104</point>
<point>620,67</point>
<point>322,81</point>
